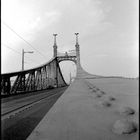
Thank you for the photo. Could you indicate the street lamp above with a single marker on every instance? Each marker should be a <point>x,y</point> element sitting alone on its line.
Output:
<point>23,52</point>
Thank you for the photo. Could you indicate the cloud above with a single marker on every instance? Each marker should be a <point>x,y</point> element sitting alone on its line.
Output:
<point>63,16</point>
<point>67,17</point>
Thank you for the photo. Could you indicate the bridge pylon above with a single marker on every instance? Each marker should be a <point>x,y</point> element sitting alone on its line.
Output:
<point>55,46</point>
<point>77,49</point>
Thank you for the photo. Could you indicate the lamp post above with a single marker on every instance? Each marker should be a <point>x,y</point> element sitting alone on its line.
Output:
<point>23,52</point>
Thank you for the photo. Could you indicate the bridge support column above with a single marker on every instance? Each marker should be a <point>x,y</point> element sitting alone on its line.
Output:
<point>77,50</point>
<point>55,46</point>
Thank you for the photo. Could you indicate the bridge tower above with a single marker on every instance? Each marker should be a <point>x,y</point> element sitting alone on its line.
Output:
<point>55,46</point>
<point>77,49</point>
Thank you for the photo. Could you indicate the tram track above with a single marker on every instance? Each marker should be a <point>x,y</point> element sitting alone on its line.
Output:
<point>13,112</point>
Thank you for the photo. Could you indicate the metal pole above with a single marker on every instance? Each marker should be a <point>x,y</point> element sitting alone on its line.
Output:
<point>22,59</point>
<point>23,52</point>
<point>70,78</point>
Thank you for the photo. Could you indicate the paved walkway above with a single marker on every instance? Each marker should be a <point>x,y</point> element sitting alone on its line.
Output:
<point>79,115</point>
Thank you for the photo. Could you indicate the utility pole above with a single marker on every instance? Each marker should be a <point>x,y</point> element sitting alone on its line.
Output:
<point>70,78</point>
<point>23,52</point>
<point>22,59</point>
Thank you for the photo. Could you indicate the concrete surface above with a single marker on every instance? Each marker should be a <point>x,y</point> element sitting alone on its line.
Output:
<point>80,115</point>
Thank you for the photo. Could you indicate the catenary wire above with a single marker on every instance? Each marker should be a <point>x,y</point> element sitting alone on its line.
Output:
<point>22,38</point>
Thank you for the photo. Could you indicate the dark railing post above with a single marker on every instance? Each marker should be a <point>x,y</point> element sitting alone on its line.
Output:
<point>6,85</point>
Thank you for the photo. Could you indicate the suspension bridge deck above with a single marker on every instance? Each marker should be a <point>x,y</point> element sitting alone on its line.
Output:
<point>89,109</point>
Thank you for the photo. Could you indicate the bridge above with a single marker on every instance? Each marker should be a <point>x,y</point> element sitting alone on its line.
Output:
<point>45,76</point>
<point>90,108</point>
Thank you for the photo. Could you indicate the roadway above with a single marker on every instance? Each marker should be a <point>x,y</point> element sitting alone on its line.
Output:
<point>92,109</point>
<point>20,115</point>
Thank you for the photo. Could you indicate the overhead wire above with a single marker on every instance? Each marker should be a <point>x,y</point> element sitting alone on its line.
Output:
<point>22,38</point>
<point>11,48</point>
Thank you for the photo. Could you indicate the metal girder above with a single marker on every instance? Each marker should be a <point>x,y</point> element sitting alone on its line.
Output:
<point>19,84</point>
<point>43,77</point>
<point>30,82</point>
<point>67,58</point>
<point>38,79</point>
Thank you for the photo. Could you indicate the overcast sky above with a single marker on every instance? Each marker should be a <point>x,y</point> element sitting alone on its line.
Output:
<point>108,34</point>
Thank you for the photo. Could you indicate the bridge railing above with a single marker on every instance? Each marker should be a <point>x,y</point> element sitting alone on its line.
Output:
<point>43,77</point>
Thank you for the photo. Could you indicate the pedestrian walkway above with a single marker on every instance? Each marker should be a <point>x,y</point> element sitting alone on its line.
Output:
<point>83,112</point>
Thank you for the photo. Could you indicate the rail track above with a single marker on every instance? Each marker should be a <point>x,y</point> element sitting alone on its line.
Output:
<point>11,113</point>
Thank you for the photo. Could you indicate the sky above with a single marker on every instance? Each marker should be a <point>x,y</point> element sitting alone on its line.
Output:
<point>108,34</point>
